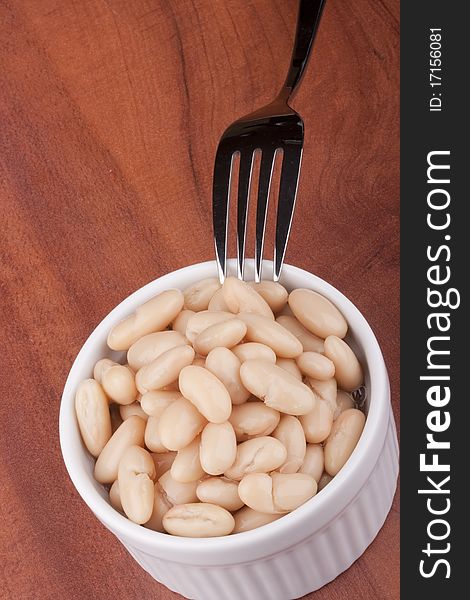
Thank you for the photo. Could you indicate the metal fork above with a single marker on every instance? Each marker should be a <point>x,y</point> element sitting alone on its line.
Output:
<point>270,129</point>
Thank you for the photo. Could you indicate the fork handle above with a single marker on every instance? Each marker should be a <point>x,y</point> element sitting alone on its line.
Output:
<point>307,24</point>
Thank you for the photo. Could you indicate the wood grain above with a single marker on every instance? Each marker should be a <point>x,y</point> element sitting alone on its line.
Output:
<point>110,112</point>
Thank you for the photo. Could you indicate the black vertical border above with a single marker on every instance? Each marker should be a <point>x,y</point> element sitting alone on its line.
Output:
<point>423,131</point>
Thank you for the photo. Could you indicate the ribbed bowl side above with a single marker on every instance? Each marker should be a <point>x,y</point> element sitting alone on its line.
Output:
<point>303,568</point>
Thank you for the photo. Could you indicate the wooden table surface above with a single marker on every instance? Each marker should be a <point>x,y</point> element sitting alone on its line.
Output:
<point>110,112</point>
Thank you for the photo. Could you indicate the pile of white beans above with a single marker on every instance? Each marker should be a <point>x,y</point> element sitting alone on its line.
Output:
<point>234,407</point>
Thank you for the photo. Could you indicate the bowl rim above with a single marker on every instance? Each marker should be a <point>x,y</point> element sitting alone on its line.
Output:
<point>307,519</point>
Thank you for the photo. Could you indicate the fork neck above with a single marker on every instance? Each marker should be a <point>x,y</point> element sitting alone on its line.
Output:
<point>307,24</point>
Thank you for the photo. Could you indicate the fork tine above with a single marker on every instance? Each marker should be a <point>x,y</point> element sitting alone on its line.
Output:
<point>244,184</point>
<point>286,202</point>
<point>265,176</point>
<point>220,204</point>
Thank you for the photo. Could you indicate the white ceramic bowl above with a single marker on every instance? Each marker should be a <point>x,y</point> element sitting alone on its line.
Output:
<point>292,556</point>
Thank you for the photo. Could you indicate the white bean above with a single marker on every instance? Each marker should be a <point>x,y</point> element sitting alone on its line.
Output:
<point>253,419</point>
<point>274,293</point>
<point>226,334</point>
<point>289,364</point>
<point>100,367</point>
<point>314,461</point>
<point>128,410</point>
<point>149,347</point>
<point>153,438</point>
<point>290,433</point>
<point>218,448</point>
<point>316,365</point>
<point>115,498</point>
<point>179,424</point>
<point>240,297</point>
<point>164,369</point>
<point>129,433</point>
<point>217,301</point>
<point>187,465</point>
<point>119,384</point>
<point>317,313</point>
<point>258,455</point>
<point>161,505</point>
<point>180,324</point>
<point>176,491</point>
<point>266,331</point>
<point>94,420</point>
<point>317,424</point>
<point>225,365</point>
<point>276,493</point>
<point>206,392</point>
<point>325,390</point>
<point>136,488</point>
<point>198,295</point>
<point>203,320</point>
<point>278,388</point>
<point>154,315</point>
<point>309,341</point>
<point>290,490</point>
<point>154,403</point>
<point>345,434</point>
<point>220,491</point>
<point>348,373</point>
<point>247,519</point>
<point>254,351</point>
<point>198,520</point>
